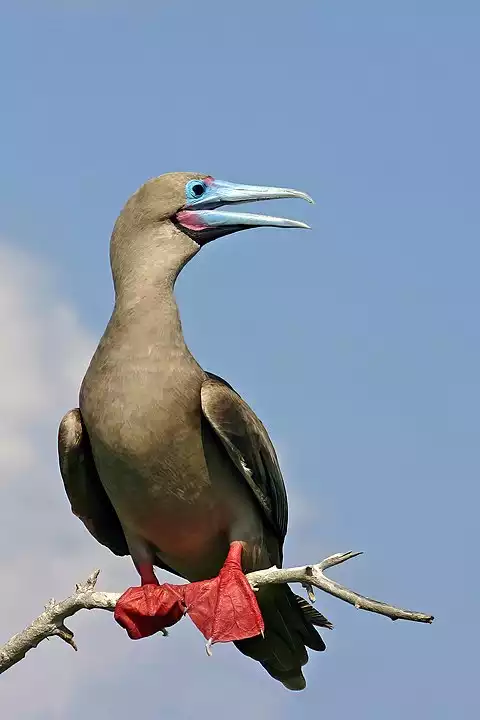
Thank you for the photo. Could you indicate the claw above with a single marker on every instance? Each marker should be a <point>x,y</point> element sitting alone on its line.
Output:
<point>310,592</point>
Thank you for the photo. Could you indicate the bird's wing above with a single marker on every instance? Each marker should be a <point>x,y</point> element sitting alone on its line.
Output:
<point>84,489</point>
<point>249,447</point>
<point>88,499</point>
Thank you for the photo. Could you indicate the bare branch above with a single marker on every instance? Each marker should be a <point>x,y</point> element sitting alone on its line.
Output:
<point>313,575</point>
<point>51,622</point>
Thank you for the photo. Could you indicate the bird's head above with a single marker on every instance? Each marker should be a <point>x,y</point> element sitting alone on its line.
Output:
<point>174,215</point>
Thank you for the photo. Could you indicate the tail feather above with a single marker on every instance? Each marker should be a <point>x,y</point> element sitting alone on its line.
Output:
<point>289,630</point>
<point>312,614</point>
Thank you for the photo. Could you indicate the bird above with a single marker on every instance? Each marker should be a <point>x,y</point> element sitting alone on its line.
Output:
<point>166,462</point>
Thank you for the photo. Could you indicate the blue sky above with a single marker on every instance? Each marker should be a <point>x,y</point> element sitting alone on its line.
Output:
<point>357,343</point>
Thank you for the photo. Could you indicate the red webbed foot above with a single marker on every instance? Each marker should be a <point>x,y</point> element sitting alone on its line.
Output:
<point>224,608</point>
<point>148,609</point>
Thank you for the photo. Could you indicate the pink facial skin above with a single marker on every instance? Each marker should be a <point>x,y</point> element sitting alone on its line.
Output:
<point>191,220</point>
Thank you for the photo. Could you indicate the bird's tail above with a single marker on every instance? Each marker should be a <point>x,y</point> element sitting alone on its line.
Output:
<point>289,629</point>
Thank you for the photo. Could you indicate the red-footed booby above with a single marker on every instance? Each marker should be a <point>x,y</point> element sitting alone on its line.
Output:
<point>166,462</point>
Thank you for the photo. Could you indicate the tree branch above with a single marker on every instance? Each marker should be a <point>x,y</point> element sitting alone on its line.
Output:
<point>311,576</point>
<point>51,622</point>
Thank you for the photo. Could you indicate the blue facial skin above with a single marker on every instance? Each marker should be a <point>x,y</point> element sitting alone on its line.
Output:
<point>194,190</point>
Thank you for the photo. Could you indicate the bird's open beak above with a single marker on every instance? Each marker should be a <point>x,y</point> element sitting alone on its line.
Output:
<point>204,221</point>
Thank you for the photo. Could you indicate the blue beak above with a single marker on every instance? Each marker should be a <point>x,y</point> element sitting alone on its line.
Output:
<point>200,215</point>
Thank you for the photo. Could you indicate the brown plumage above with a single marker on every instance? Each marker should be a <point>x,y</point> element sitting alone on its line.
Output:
<point>164,461</point>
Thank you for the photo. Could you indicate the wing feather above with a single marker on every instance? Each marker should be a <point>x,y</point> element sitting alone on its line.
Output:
<point>86,494</point>
<point>249,447</point>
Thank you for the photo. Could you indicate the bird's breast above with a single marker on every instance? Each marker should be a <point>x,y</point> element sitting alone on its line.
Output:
<point>155,453</point>
<point>145,426</point>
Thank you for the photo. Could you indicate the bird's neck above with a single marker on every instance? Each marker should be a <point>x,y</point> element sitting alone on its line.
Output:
<point>145,268</point>
<point>150,318</point>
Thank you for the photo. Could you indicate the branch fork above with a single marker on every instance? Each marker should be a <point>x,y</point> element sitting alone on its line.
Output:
<point>51,622</point>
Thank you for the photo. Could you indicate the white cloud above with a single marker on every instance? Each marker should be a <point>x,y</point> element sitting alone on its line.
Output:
<point>44,550</point>
<point>44,352</point>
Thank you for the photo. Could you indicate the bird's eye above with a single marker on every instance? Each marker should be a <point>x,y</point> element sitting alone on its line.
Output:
<point>195,189</point>
<point>198,190</point>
